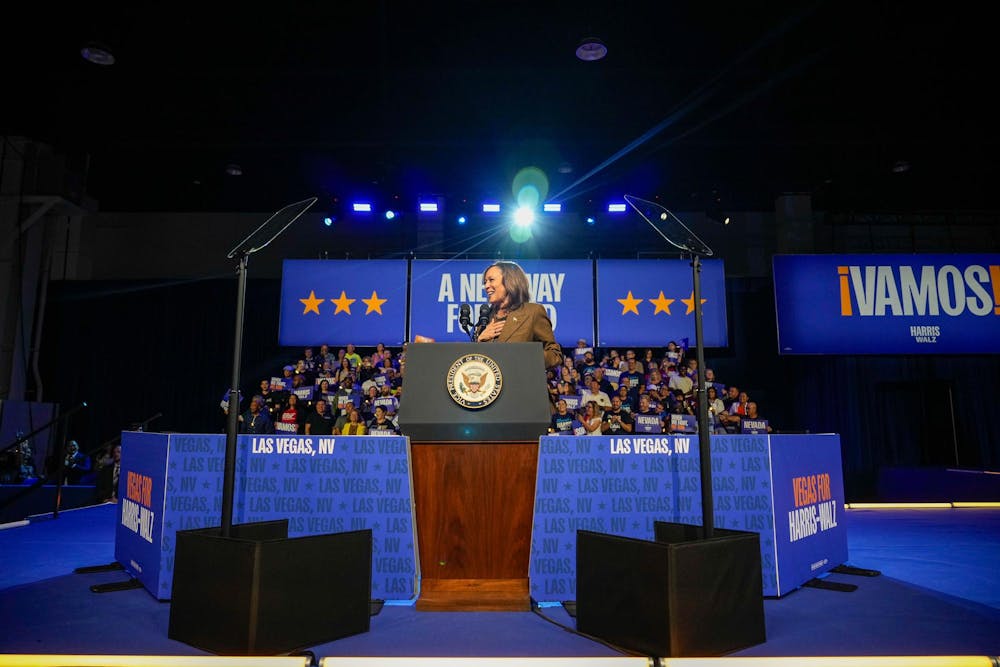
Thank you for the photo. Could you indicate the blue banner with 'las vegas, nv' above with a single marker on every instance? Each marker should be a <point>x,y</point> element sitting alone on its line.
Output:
<point>887,304</point>
<point>651,302</point>
<point>343,301</point>
<point>438,288</point>
<point>321,485</point>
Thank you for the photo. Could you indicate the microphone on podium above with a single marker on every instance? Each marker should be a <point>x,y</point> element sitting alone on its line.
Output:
<point>465,319</point>
<point>484,319</point>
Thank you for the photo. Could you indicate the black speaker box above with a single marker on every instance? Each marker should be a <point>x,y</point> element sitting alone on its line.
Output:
<point>258,592</point>
<point>682,595</point>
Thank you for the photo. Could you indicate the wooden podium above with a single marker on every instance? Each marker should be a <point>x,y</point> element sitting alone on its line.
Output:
<point>474,476</point>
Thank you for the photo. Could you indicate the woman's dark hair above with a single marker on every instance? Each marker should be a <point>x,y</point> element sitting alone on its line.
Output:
<point>514,281</point>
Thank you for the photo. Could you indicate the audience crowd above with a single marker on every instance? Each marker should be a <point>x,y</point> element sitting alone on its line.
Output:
<point>593,392</point>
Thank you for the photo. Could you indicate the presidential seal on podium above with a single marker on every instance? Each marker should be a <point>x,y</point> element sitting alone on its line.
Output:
<point>474,381</point>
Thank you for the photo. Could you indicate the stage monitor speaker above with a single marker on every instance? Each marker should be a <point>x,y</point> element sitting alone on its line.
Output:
<point>681,595</point>
<point>258,592</point>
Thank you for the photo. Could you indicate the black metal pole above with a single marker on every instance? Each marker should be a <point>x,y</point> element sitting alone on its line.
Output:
<point>704,430</point>
<point>229,473</point>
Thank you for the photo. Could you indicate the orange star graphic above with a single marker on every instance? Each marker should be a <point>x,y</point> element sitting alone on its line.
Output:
<point>689,302</point>
<point>374,304</point>
<point>343,303</point>
<point>662,304</point>
<point>630,303</point>
<point>312,303</point>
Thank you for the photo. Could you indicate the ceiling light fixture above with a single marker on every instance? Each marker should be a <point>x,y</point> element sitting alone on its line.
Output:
<point>591,48</point>
<point>97,53</point>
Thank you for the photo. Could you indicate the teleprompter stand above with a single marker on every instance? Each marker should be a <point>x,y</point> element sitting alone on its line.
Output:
<point>249,589</point>
<point>695,590</point>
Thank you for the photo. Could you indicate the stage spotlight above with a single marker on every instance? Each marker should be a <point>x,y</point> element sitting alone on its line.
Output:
<point>362,207</point>
<point>552,208</point>
<point>390,214</point>
<point>617,208</point>
<point>428,207</point>
<point>524,216</point>
<point>461,220</point>
<point>718,216</point>
<point>591,220</point>
<point>328,221</point>
<point>491,208</point>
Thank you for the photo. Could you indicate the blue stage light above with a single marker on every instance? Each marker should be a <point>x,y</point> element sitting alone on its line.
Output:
<point>327,221</point>
<point>428,207</point>
<point>491,208</point>
<point>362,207</point>
<point>552,208</point>
<point>617,208</point>
<point>461,220</point>
<point>591,220</point>
<point>390,214</point>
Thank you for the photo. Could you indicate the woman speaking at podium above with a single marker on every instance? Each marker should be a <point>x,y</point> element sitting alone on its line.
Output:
<point>512,317</point>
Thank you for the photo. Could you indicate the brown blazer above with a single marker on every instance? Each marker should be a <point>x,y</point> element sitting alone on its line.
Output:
<point>531,323</point>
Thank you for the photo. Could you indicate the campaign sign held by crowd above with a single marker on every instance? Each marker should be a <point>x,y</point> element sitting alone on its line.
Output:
<point>887,304</point>
<point>343,301</point>
<point>651,302</point>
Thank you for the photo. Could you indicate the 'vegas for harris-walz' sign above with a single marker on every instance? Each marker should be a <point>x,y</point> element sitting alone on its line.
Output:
<point>887,304</point>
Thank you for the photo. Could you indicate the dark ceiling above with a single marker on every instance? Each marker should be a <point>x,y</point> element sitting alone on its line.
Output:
<point>695,101</point>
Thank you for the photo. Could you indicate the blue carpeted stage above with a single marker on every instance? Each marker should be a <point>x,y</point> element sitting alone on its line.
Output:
<point>939,594</point>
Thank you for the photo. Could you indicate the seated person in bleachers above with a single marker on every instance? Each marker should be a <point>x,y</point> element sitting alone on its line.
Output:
<point>354,424</point>
<point>632,378</point>
<point>365,371</point>
<point>310,363</point>
<point>565,368</point>
<point>616,420</point>
<point>381,424</point>
<point>737,409</point>
<point>679,404</point>
<point>752,414</point>
<point>256,419</point>
<point>691,369</point>
<point>674,354</point>
<point>562,420</point>
<point>320,421</point>
<point>387,400</point>
<point>731,396</point>
<point>630,357</point>
<point>287,376</point>
<point>656,386</point>
<point>710,380</point>
<point>342,372</point>
<point>625,396</point>
<point>606,386</point>
<point>323,390</point>
<point>368,402</point>
<point>590,418</point>
<point>646,419</point>
<point>594,394</point>
<point>715,408</point>
<point>326,355</point>
<point>353,358</point>
<point>290,420</point>
<point>680,382</point>
<point>587,364</point>
<point>649,361</point>
<point>393,378</point>
<point>582,347</point>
